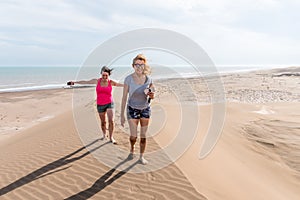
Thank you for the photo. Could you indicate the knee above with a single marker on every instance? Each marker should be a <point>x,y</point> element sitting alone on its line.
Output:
<point>143,140</point>
<point>103,123</point>
<point>132,139</point>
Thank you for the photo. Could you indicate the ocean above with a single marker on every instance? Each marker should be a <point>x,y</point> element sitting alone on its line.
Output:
<point>22,78</point>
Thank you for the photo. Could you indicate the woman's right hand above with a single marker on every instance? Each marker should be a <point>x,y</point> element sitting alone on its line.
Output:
<point>70,83</point>
<point>122,120</point>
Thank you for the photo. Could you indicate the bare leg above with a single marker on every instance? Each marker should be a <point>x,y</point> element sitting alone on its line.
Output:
<point>103,123</point>
<point>132,140</point>
<point>133,123</point>
<point>110,115</point>
<point>142,146</point>
<point>144,128</point>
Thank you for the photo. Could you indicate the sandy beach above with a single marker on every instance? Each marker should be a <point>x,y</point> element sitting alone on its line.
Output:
<point>45,153</point>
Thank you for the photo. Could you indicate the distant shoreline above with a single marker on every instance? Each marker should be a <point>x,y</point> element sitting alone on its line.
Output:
<point>30,84</point>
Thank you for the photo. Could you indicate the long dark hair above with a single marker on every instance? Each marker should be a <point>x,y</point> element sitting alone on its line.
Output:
<point>106,69</point>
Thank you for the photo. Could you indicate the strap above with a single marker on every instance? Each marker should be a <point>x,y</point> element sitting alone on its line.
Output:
<point>146,79</point>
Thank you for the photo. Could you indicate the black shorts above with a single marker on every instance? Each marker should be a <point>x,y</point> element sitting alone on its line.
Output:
<point>103,108</point>
<point>133,113</point>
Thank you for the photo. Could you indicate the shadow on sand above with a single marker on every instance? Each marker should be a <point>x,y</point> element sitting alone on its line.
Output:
<point>49,168</point>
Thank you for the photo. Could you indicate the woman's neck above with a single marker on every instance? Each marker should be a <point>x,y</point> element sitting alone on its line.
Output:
<point>139,75</point>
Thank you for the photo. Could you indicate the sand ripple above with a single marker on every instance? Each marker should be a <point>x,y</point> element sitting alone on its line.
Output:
<point>278,139</point>
<point>49,162</point>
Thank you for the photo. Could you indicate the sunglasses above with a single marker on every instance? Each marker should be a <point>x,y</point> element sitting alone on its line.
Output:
<point>139,65</point>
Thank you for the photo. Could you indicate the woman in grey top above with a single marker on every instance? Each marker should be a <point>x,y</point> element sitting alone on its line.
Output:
<point>137,86</point>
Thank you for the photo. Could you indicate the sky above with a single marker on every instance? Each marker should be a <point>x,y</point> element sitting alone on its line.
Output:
<point>232,32</point>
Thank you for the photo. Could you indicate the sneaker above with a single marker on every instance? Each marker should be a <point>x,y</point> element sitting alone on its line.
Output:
<point>143,161</point>
<point>112,140</point>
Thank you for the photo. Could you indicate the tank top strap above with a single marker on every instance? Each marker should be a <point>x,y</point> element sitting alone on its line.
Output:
<point>99,82</point>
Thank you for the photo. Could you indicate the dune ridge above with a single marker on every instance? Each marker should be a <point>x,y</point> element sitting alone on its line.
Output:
<point>42,155</point>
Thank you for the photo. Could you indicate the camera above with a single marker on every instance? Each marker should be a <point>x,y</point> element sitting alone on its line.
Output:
<point>70,83</point>
<point>146,91</point>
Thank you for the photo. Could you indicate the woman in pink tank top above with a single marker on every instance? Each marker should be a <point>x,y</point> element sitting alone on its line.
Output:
<point>105,103</point>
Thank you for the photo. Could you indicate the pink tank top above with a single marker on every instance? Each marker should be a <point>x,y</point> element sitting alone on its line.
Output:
<point>104,94</point>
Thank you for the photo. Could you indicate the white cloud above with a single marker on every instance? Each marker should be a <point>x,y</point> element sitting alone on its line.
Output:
<point>232,31</point>
<point>48,15</point>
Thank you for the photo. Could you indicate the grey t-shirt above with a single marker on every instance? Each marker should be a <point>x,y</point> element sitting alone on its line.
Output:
<point>137,97</point>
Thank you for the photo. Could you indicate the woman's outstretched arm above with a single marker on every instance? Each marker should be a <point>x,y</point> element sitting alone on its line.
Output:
<point>92,81</point>
<point>114,83</point>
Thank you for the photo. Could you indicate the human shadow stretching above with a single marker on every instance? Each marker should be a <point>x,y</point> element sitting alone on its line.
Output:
<point>47,169</point>
<point>102,182</point>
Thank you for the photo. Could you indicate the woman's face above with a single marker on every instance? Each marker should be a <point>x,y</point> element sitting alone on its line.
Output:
<point>139,66</point>
<point>105,75</point>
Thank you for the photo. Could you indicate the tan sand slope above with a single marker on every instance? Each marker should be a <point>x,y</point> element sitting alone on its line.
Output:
<point>250,161</point>
<point>49,162</point>
<point>257,156</point>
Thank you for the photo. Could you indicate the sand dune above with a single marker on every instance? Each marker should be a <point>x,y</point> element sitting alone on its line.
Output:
<point>49,162</point>
<point>256,157</point>
<point>242,166</point>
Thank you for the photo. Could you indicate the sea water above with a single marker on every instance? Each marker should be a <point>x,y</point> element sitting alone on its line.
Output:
<point>22,78</point>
